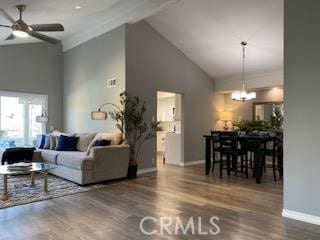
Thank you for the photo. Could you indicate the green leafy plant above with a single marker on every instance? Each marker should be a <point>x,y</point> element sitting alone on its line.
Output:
<point>249,126</point>
<point>131,122</point>
<point>277,118</point>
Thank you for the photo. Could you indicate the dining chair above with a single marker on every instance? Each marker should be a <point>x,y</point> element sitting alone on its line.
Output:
<point>229,153</point>
<point>276,152</point>
<point>215,148</point>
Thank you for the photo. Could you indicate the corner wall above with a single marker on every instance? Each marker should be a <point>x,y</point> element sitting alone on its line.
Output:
<point>154,64</point>
<point>34,68</point>
<point>301,136</point>
<point>86,70</point>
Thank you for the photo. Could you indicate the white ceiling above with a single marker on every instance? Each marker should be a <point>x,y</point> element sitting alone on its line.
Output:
<point>93,19</point>
<point>210,31</point>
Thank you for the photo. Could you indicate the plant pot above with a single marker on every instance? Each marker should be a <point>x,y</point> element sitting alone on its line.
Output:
<point>132,171</point>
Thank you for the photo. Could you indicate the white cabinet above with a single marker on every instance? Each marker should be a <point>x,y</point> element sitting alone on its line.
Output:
<point>173,148</point>
<point>168,110</point>
<point>161,140</point>
<point>177,111</point>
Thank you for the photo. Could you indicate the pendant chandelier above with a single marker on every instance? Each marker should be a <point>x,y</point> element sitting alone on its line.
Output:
<point>243,95</point>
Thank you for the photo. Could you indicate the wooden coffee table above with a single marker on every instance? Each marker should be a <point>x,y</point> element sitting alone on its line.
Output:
<point>39,167</point>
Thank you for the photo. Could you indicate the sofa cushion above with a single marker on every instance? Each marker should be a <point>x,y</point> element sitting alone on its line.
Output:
<point>47,142</point>
<point>42,141</point>
<point>75,160</point>
<point>84,140</point>
<point>53,142</point>
<point>58,133</point>
<point>67,143</point>
<point>102,143</point>
<point>49,156</point>
<point>114,137</point>
<point>38,141</point>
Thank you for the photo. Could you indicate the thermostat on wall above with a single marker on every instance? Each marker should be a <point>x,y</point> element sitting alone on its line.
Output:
<point>111,82</point>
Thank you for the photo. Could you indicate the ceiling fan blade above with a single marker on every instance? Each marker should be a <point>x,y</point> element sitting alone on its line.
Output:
<point>5,26</point>
<point>11,37</point>
<point>7,16</point>
<point>54,27</point>
<point>43,37</point>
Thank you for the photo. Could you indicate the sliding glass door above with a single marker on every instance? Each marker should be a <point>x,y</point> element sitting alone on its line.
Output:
<point>18,111</point>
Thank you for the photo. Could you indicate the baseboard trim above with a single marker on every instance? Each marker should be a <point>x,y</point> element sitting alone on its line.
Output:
<point>146,170</point>
<point>184,164</point>
<point>301,216</point>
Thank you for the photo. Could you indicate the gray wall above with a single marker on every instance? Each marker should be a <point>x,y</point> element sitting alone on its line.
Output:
<point>244,110</point>
<point>301,82</point>
<point>34,68</point>
<point>86,70</point>
<point>154,64</point>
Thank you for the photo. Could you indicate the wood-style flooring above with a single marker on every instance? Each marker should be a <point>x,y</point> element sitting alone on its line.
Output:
<point>246,210</point>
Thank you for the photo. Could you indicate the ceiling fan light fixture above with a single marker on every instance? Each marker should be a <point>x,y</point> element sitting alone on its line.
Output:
<point>20,34</point>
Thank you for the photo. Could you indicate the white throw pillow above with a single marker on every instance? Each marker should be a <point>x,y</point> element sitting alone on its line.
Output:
<point>84,140</point>
<point>53,142</point>
<point>58,134</point>
<point>56,138</point>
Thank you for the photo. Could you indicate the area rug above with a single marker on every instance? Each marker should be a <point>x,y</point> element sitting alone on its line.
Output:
<point>20,190</point>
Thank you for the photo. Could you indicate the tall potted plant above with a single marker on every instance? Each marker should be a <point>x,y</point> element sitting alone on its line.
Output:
<point>133,125</point>
<point>277,118</point>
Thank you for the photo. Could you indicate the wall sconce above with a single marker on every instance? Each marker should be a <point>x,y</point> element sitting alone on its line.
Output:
<point>226,117</point>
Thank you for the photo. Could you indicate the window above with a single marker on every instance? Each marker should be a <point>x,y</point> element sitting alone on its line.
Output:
<point>18,111</point>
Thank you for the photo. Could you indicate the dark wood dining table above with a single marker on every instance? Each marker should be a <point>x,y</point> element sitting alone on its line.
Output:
<point>252,143</point>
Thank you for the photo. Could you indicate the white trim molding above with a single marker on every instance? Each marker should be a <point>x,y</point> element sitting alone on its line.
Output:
<point>146,170</point>
<point>184,164</point>
<point>301,216</point>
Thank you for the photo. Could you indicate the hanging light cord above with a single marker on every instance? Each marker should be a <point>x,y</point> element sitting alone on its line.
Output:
<point>243,57</point>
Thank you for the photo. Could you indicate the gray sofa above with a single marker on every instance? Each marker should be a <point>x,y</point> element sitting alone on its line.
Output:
<point>97,164</point>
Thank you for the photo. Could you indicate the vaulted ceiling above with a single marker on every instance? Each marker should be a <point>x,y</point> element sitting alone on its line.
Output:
<point>210,31</point>
<point>94,18</point>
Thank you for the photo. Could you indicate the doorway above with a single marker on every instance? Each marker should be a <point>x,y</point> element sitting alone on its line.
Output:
<point>170,136</point>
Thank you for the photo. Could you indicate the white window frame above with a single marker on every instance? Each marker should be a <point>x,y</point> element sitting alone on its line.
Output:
<point>32,96</point>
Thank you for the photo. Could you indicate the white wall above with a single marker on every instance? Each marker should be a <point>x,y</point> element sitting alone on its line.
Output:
<point>164,108</point>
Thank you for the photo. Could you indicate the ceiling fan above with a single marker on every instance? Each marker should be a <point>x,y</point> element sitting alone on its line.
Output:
<point>22,30</point>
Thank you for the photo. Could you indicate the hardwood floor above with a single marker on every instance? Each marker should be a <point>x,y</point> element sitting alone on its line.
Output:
<point>246,210</point>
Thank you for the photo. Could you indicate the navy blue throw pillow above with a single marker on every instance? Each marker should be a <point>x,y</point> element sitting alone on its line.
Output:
<point>102,143</point>
<point>67,143</point>
<point>42,141</point>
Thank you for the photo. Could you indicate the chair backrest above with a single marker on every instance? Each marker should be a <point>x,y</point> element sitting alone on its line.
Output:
<point>228,140</point>
<point>215,136</point>
<point>215,133</point>
<point>277,143</point>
